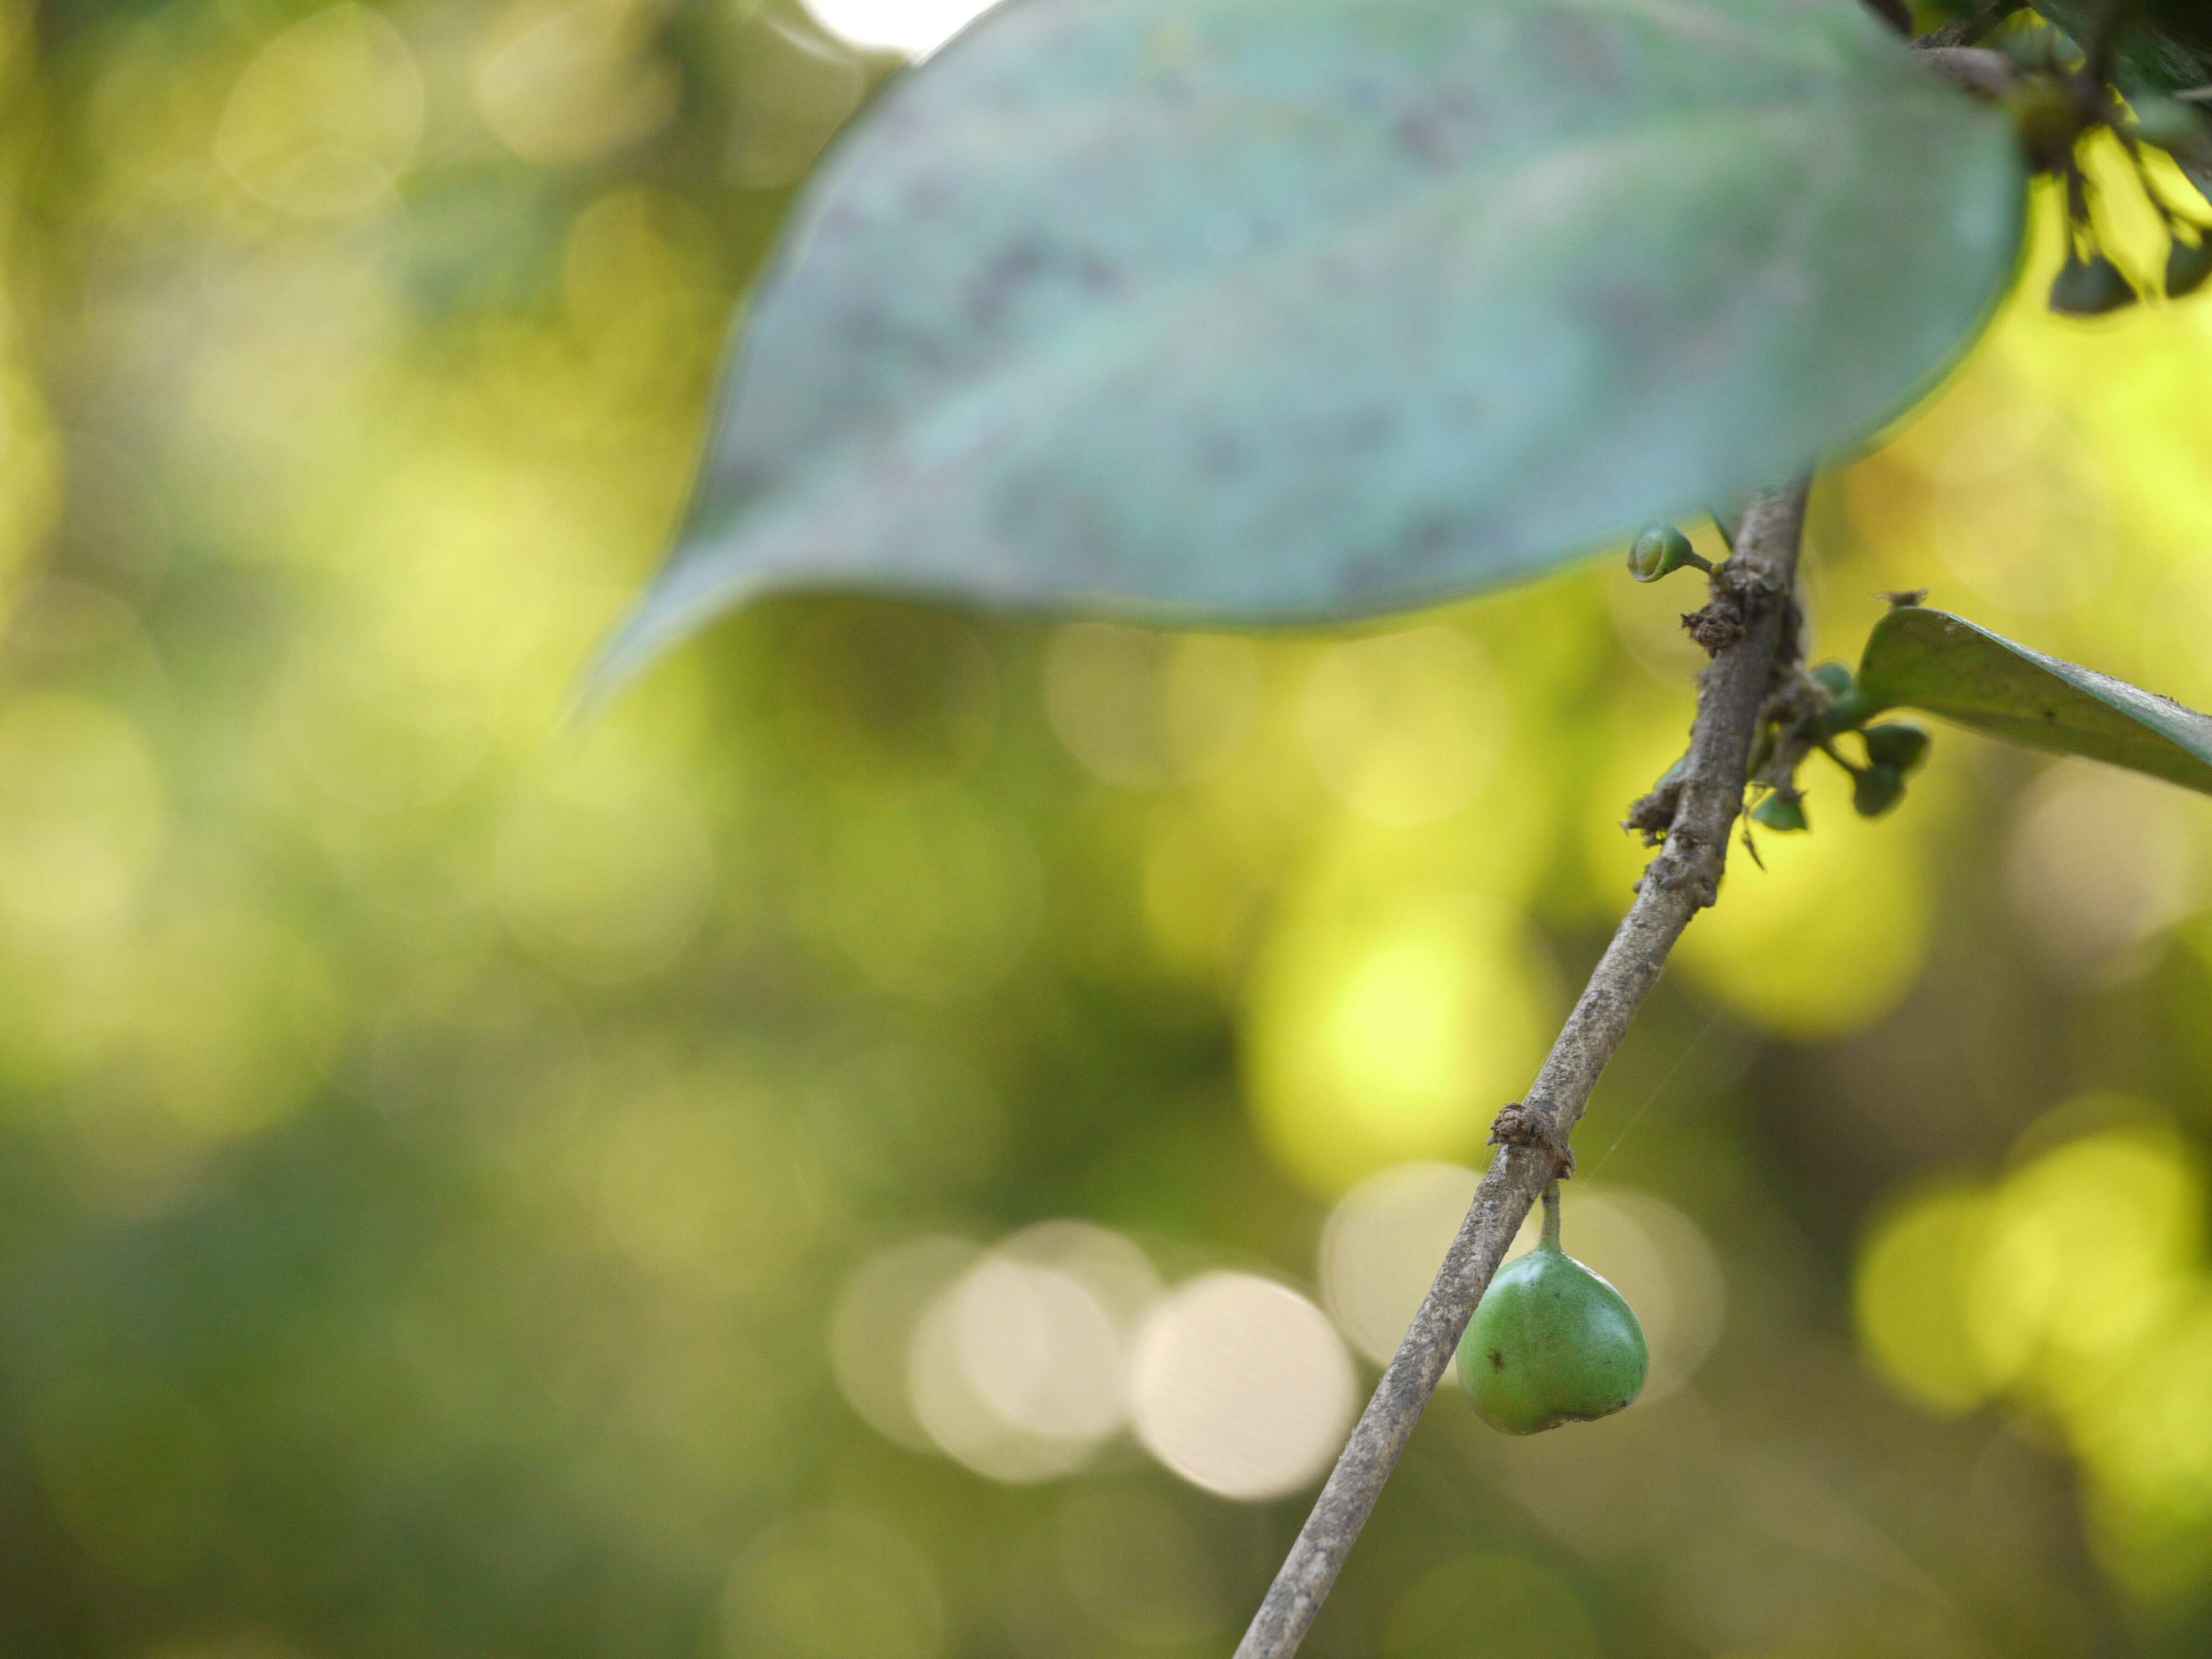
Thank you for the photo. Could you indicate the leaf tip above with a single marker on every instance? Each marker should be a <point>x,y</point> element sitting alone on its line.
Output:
<point>686,593</point>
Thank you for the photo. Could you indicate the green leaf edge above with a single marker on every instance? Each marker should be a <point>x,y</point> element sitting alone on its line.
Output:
<point>2073,711</point>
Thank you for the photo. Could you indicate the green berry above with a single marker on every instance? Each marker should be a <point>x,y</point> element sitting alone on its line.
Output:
<point>1551,1343</point>
<point>2090,287</point>
<point>1660,550</point>
<point>2187,265</point>
<point>1877,789</point>
<point>1784,814</point>
<point>1834,678</point>
<point>1902,747</point>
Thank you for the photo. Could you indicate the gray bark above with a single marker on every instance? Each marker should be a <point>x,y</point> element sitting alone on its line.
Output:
<point>1753,590</point>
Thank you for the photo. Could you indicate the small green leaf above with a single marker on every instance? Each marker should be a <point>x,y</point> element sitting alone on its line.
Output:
<point>1784,814</point>
<point>1310,309</point>
<point>1949,666</point>
<point>1875,790</point>
<point>1901,748</point>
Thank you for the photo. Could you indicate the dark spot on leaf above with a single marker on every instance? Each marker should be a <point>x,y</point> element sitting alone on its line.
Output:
<point>1222,455</point>
<point>1366,430</point>
<point>1420,136</point>
<point>1000,281</point>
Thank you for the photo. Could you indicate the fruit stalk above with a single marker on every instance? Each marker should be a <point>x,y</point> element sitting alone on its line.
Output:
<point>1752,589</point>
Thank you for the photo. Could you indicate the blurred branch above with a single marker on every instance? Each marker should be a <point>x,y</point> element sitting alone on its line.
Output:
<point>1751,605</point>
<point>1974,69</point>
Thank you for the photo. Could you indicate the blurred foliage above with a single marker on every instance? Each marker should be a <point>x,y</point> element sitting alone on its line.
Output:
<point>472,1188</point>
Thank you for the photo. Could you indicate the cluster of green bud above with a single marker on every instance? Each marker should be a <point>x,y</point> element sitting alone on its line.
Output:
<point>2089,284</point>
<point>2183,131</point>
<point>2054,105</point>
<point>1847,708</point>
<point>1892,750</point>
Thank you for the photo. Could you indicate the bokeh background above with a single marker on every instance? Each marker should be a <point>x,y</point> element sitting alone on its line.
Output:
<point>908,1137</point>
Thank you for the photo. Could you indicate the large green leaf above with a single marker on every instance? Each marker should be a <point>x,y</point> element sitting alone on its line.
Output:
<point>1281,310</point>
<point>1945,665</point>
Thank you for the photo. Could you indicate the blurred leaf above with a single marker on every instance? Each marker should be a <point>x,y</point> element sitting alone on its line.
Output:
<point>1270,314</point>
<point>1949,666</point>
<point>2165,49</point>
<point>2165,46</point>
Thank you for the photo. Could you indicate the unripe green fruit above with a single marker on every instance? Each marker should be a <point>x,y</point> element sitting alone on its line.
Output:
<point>1877,789</point>
<point>1834,678</point>
<point>1901,746</point>
<point>2187,265</point>
<point>1660,550</point>
<point>1784,814</point>
<point>1551,1343</point>
<point>2090,287</point>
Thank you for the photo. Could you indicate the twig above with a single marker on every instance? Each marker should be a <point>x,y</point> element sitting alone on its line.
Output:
<point>1755,585</point>
<point>1974,69</point>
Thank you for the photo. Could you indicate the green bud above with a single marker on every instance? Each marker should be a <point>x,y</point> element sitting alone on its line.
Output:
<point>2090,287</point>
<point>1835,678</point>
<point>2187,265</point>
<point>1848,712</point>
<point>1551,1343</point>
<point>1877,789</point>
<point>1903,747</point>
<point>1660,550</point>
<point>1782,814</point>
<point>2167,123</point>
